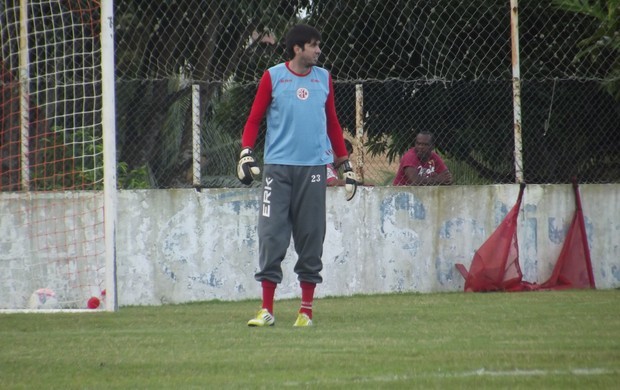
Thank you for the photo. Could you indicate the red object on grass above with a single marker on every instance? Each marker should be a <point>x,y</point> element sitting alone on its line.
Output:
<point>574,266</point>
<point>495,266</point>
<point>93,303</point>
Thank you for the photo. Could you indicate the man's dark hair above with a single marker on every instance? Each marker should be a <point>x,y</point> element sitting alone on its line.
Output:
<point>430,135</point>
<point>300,35</point>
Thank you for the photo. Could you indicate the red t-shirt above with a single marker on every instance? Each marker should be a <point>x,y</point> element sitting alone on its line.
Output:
<point>432,167</point>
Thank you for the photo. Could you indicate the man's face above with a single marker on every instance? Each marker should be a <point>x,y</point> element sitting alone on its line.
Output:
<point>309,56</point>
<point>423,146</point>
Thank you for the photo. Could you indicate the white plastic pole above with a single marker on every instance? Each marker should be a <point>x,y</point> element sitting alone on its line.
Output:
<point>24,82</point>
<point>109,150</point>
<point>196,134</point>
<point>516,90</point>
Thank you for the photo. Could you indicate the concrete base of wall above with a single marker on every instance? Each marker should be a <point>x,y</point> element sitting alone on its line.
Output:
<point>177,246</point>
<point>181,245</point>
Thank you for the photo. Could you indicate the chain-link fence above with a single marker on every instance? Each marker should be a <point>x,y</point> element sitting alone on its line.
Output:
<point>442,66</point>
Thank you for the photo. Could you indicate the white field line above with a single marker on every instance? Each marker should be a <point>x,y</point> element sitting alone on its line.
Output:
<point>49,311</point>
<point>517,372</point>
<point>480,372</point>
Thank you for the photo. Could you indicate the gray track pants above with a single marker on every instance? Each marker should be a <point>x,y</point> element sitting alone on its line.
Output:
<point>293,202</point>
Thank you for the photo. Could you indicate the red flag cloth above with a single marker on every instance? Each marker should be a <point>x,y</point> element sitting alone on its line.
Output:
<point>574,266</point>
<point>495,266</point>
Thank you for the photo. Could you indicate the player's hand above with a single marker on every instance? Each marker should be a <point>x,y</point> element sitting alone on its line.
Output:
<point>350,180</point>
<point>247,167</point>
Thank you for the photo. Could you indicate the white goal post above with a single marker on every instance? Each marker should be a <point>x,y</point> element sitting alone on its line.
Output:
<point>57,156</point>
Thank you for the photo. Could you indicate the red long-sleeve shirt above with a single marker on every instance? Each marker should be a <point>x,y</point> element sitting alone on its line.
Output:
<point>263,100</point>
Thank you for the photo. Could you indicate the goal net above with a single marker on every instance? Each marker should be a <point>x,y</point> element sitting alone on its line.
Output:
<point>55,196</point>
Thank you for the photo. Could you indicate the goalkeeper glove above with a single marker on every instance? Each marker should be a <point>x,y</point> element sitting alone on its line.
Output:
<point>350,180</point>
<point>247,168</point>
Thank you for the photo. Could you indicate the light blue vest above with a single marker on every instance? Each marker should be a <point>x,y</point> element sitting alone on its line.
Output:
<point>296,121</point>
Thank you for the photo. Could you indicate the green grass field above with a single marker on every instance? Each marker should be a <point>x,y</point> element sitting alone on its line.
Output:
<point>533,340</point>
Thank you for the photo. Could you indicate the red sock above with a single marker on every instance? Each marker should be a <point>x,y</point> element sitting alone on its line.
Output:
<point>307,296</point>
<point>269,291</point>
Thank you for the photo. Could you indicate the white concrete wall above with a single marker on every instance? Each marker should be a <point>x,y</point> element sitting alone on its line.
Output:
<point>182,245</point>
<point>177,246</point>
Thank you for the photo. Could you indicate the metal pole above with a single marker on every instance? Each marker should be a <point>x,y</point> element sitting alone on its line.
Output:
<point>196,134</point>
<point>359,131</point>
<point>24,82</point>
<point>109,150</point>
<point>516,90</point>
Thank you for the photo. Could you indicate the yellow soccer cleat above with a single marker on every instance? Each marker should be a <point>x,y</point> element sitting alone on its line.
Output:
<point>263,318</point>
<point>303,320</point>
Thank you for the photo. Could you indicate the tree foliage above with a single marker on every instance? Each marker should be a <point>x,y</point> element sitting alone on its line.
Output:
<point>455,81</point>
<point>605,39</point>
<point>163,47</point>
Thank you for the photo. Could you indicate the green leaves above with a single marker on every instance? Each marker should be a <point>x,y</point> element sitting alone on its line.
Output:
<point>606,39</point>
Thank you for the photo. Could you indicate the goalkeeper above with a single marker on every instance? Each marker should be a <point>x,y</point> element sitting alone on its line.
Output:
<point>297,97</point>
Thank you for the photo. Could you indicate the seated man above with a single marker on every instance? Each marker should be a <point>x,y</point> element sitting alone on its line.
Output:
<point>421,166</point>
<point>332,173</point>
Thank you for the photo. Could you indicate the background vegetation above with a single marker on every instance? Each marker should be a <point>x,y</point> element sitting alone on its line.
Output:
<point>570,117</point>
<point>441,66</point>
